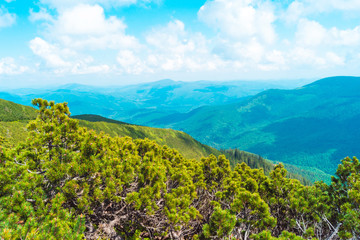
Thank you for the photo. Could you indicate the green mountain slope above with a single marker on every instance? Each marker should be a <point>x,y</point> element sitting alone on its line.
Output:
<point>181,141</point>
<point>10,111</point>
<point>14,118</point>
<point>312,126</point>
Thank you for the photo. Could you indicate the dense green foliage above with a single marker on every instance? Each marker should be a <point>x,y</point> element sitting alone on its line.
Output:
<point>14,132</point>
<point>181,141</point>
<point>237,156</point>
<point>67,182</point>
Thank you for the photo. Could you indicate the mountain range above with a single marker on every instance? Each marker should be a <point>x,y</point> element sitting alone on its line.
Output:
<point>311,126</point>
<point>143,102</point>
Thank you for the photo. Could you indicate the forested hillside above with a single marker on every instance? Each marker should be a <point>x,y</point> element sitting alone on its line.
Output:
<point>312,126</point>
<point>68,182</point>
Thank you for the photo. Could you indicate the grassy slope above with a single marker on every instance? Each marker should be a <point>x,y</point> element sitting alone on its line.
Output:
<point>15,132</point>
<point>14,118</point>
<point>97,118</point>
<point>10,111</point>
<point>181,141</point>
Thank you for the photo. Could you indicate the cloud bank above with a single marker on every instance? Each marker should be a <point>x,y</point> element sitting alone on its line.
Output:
<point>240,38</point>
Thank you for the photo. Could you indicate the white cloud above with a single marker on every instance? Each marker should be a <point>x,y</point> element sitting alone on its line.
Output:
<point>246,37</point>
<point>246,34</point>
<point>253,51</point>
<point>41,15</point>
<point>303,8</point>
<point>277,59</point>
<point>330,5</point>
<point>312,58</point>
<point>64,4</point>
<point>81,37</point>
<point>53,56</point>
<point>70,36</point>
<point>304,56</point>
<point>8,66</point>
<point>130,63</point>
<point>172,48</point>
<point>310,33</point>
<point>294,12</point>
<point>87,20</point>
<point>348,37</point>
<point>84,66</point>
<point>335,59</point>
<point>6,19</point>
<point>85,26</point>
<point>64,60</point>
<point>172,38</point>
<point>240,19</point>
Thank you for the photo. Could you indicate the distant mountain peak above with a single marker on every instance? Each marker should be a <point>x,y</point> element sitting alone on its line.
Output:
<point>73,86</point>
<point>337,80</point>
<point>165,82</point>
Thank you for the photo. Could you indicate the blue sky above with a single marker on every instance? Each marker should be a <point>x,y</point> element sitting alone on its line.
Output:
<point>116,42</point>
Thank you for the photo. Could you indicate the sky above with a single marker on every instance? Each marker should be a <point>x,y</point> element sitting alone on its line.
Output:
<point>118,42</point>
